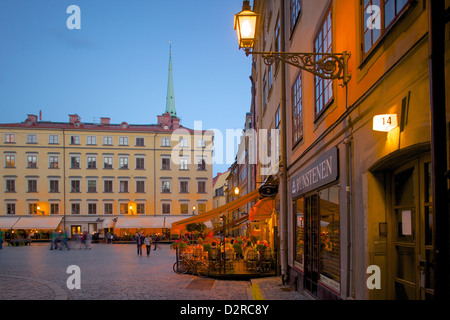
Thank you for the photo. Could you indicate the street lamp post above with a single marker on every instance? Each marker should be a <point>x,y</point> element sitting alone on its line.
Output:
<point>324,65</point>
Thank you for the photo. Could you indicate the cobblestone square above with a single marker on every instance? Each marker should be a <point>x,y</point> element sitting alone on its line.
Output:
<point>116,272</point>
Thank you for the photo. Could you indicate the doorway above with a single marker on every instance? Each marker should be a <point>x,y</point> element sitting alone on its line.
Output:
<point>412,249</point>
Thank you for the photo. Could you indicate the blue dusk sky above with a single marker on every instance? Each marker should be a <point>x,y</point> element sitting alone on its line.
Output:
<point>116,65</point>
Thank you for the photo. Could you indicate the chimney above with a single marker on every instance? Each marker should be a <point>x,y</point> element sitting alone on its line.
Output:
<point>73,118</point>
<point>32,118</point>
<point>105,121</point>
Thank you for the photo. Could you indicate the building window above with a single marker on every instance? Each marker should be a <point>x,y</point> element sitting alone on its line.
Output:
<point>201,207</point>
<point>107,141</point>
<point>75,208</point>
<point>10,138</point>
<point>91,162</point>
<point>92,186</point>
<point>296,8</point>
<point>91,140</point>
<point>32,185</point>
<point>108,186</point>
<point>139,142</point>
<point>140,163</point>
<point>107,162</point>
<point>92,208</point>
<point>31,161</point>
<point>165,163</point>
<point>10,185</point>
<point>74,139</point>
<point>201,164</point>
<point>201,143</point>
<point>53,139</point>
<point>140,186</point>
<point>269,78</point>
<point>53,162</point>
<point>323,87</point>
<point>165,186</point>
<point>379,16</point>
<point>184,186</point>
<point>74,162</point>
<point>10,208</point>
<point>31,138</point>
<point>123,141</point>
<point>32,208</point>
<point>107,208</point>
<point>10,161</point>
<point>297,106</point>
<point>123,208</point>
<point>123,186</point>
<point>165,142</point>
<point>140,208</point>
<point>123,162</point>
<point>264,89</point>
<point>184,163</point>
<point>54,208</point>
<point>166,208</point>
<point>75,186</point>
<point>201,186</point>
<point>278,118</point>
<point>184,142</point>
<point>184,208</point>
<point>54,186</point>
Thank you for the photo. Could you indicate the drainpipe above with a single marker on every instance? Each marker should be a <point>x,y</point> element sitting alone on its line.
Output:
<point>284,185</point>
<point>439,147</point>
<point>350,292</point>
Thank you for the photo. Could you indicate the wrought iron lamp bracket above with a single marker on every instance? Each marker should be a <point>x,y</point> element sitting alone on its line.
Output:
<point>324,65</point>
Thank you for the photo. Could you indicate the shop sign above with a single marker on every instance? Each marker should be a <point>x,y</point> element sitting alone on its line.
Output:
<point>323,171</point>
<point>268,190</point>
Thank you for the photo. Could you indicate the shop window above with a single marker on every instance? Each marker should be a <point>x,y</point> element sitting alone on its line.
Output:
<point>329,265</point>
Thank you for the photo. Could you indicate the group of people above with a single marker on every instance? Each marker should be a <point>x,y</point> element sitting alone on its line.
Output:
<point>144,240</point>
<point>60,240</point>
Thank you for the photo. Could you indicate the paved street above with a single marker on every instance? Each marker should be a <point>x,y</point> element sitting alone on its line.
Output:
<point>115,272</point>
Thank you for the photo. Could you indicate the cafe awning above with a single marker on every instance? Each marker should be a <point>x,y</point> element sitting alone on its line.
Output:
<point>8,222</point>
<point>40,223</point>
<point>232,224</point>
<point>156,222</point>
<point>229,207</point>
<point>262,210</point>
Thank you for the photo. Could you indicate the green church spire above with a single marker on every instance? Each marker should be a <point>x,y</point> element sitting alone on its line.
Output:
<point>170,99</point>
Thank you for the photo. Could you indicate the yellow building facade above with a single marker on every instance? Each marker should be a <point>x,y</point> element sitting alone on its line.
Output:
<point>97,176</point>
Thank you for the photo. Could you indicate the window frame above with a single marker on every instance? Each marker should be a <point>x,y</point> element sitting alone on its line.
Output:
<point>384,30</point>
<point>324,84</point>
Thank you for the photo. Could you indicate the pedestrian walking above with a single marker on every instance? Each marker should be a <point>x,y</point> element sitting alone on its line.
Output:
<point>156,241</point>
<point>64,242</point>
<point>88,241</point>
<point>139,242</point>
<point>83,240</point>
<point>1,241</point>
<point>53,243</point>
<point>148,244</point>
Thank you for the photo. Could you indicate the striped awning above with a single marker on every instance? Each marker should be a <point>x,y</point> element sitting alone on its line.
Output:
<point>229,207</point>
<point>8,222</point>
<point>40,223</point>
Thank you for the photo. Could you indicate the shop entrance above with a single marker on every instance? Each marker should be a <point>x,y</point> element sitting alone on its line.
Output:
<point>75,229</point>
<point>412,248</point>
<point>311,243</point>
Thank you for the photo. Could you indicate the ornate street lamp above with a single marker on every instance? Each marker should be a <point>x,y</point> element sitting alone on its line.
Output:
<point>323,65</point>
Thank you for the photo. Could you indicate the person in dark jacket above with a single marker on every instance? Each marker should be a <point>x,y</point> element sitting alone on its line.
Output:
<point>139,242</point>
